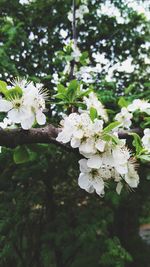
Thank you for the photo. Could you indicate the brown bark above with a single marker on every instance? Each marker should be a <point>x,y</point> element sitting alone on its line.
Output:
<point>46,135</point>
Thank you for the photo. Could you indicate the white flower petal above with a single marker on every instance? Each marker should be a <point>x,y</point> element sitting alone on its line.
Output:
<point>14,115</point>
<point>94,162</point>
<point>27,123</point>
<point>83,181</point>
<point>98,126</point>
<point>98,184</point>
<point>75,142</point>
<point>87,147</point>
<point>64,137</point>
<point>132,181</point>
<point>5,105</point>
<point>108,158</point>
<point>100,145</point>
<point>78,133</point>
<point>122,169</point>
<point>119,188</point>
<point>40,117</point>
<point>83,166</point>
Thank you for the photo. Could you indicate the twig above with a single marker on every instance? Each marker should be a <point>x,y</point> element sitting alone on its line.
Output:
<point>74,36</point>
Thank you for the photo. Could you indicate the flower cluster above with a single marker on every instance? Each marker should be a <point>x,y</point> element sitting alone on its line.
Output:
<point>80,12</point>
<point>92,102</point>
<point>126,114</point>
<point>6,123</point>
<point>124,117</point>
<point>139,105</point>
<point>106,157</point>
<point>23,104</point>
<point>76,53</point>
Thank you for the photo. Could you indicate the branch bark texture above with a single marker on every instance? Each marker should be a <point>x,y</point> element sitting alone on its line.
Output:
<point>47,135</point>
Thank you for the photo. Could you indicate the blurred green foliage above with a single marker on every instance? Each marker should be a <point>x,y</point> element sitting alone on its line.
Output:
<point>45,219</point>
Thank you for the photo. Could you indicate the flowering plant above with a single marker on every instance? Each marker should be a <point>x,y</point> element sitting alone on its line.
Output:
<point>100,134</point>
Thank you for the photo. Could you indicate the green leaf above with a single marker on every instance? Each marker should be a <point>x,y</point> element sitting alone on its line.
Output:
<point>93,113</point>
<point>72,90</point>
<point>61,89</point>
<point>111,137</point>
<point>61,92</point>
<point>21,155</point>
<point>84,58</point>
<point>3,87</point>
<point>60,96</point>
<point>144,158</point>
<point>137,143</point>
<point>86,93</point>
<point>122,102</point>
<point>11,93</point>
<point>111,126</point>
<point>68,58</point>
<point>115,139</point>
<point>107,137</point>
<point>130,88</point>
<point>147,84</point>
<point>73,85</point>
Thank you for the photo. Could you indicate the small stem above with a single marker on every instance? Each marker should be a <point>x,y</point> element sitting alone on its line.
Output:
<point>74,36</point>
<point>74,31</point>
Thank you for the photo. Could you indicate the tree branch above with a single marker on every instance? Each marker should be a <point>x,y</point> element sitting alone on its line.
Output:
<point>125,134</point>
<point>74,30</point>
<point>14,137</point>
<point>47,135</point>
<point>74,36</point>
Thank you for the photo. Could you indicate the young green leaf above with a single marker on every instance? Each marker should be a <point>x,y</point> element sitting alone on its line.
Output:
<point>93,113</point>
<point>137,143</point>
<point>144,158</point>
<point>21,155</point>
<point>122,102</point>
<point>111,126</point>
<point>72,90</point>
<point>3,87</point>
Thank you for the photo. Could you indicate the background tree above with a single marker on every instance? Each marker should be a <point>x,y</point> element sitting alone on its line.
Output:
<point>45,220</point>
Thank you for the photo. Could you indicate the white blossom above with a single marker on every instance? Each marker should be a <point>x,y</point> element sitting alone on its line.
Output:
<point>80,12</point>
<point>75,127</point>
<point>87,147</point>
<point>121,156</point>
<point>100,58</point>
<point>124,117</point>
<point>110,10</point>
<point>103,160</point>
<point>24,2</point>
<point>141,105</point>
<point>146,139</point>
<point>131,177</point>
<point>126,66</point>
<point>63,33</point>
<point>5,123</point>
<point>22,83</point>
<point>27,108</point>
<point>86,74</point>
<point>95,161</point>
<point>76,54</point>
<point>55,78</point>
<point>92,102</point>
<point>90,179</point>
<point>119,188</point>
